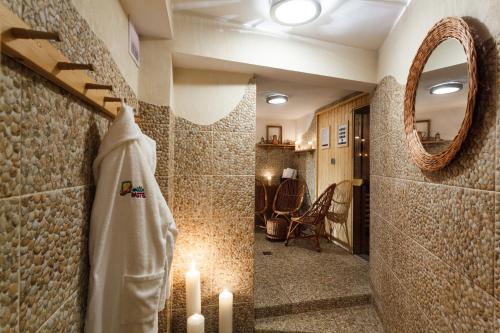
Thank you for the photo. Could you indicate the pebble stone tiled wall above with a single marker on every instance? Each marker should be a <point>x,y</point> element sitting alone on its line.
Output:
<point>213,181</point>
<point>48,141</point>
<point>435,237</point>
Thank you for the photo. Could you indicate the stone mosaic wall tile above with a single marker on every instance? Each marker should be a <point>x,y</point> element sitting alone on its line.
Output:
<point>53,262</point>
<point>243,318</point>
<point>467,228</point>
<point>12,81</point>
<point>234,154</point>
<point>45,129</point>
<point>9,264</point>
<point>193,153</point>
<point>196,240</point>
<point>193,196</point>
<point>233,196</point>
<point>235,238</point>
<point>182,124</point>
<point>68,318</point>
<point>466,306</point>
<point>235,275</point>
<point>440,219</point>
<point>243,117</point>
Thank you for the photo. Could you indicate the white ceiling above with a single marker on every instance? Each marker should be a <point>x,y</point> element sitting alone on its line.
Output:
<point>303,99</point>
<point>358,23</point>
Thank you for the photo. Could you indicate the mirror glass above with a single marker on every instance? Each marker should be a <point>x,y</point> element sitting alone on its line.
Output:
<point>441,99</point>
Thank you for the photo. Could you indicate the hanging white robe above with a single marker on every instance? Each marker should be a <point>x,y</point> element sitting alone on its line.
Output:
<point>132,234</point>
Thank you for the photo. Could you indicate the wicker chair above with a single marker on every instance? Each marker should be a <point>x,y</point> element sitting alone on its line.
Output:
<point>288,199</point>
<point>311,225</point>
<point>260,202</point>
<point>341,202</point>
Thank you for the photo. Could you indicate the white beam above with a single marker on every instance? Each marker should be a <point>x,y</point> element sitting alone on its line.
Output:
<point>205,38</point>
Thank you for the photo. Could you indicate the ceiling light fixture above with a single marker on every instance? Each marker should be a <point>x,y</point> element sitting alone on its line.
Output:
<point>276,99</point>
<point>295,12</point>
<point>446,88</point>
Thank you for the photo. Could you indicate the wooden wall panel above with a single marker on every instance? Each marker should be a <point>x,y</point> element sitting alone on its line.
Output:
<point>328,173</point>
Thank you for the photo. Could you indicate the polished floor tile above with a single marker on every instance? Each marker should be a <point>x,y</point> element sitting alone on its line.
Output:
<point>298,275</point>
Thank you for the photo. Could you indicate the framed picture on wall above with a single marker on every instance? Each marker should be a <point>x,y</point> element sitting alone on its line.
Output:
<point>133,43</point>
<point>274,134</point>
<point>325,138</point>
<point>343,135</point>
<point>423,127</point>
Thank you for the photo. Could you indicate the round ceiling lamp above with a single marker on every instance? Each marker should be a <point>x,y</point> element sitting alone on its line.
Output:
<point>446,88</point>
<point>276,99</point>
<point>295,12</point>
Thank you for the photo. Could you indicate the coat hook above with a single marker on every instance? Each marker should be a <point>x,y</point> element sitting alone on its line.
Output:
<point>73,66</point>
<point>97,86</point>
<point>111,99</point>
<point>34,34</point>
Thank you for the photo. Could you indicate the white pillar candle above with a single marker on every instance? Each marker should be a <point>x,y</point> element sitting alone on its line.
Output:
<point>269,179</point>
<point>193,291</point>
<point>196,324</point>
<point>226,311</point>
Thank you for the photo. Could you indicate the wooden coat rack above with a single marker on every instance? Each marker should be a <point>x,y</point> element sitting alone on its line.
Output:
<point>33,49</point>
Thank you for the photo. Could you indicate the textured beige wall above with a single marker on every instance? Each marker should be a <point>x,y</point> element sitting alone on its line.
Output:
<point>397,52</point>
<point>205,96</point>
<point>109,22</point>
<point>156,75</point>
<point>434,261</point>
<point>288,128</point>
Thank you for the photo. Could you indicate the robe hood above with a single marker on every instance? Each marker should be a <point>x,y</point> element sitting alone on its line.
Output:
<point>122,130</point>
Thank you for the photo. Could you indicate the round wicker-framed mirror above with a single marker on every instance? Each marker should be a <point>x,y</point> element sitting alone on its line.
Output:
<point>441,90</point>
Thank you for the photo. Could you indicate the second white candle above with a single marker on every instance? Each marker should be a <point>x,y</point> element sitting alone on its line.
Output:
<point>193,291</point>
<point>226,311</point>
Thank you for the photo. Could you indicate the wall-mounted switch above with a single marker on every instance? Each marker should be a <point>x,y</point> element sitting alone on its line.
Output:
<point>332,161</point>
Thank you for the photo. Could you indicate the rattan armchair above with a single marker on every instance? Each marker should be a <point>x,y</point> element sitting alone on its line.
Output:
<point>341,203</point>
<point>260,203</point>
<point>311,225</point>
<point>289,197</point>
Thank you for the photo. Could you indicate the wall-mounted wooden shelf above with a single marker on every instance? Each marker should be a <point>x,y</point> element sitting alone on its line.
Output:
<point>32,49</point>
<point>271,146</point>
<point>310,150</point>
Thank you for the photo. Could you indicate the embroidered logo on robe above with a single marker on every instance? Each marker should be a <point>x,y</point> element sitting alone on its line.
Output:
<point>126,188</point>
<point>136,192</point>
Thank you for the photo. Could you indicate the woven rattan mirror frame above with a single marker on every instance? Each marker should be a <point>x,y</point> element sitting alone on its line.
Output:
<point>450,27</point>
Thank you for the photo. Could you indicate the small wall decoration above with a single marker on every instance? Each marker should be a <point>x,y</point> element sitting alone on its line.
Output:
<point>343,135</point>
<point>274,134</point>
<point>423,126</point>
<point>325,138</point>
<point>133,43</point>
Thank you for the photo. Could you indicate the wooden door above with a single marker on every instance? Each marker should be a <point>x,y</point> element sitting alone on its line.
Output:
<point>335,164</point>
<point>361,194</point>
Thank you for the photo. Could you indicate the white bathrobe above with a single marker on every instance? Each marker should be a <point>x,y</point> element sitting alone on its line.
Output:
<point>132,234</point>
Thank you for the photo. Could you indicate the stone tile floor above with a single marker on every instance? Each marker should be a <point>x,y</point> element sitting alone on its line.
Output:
<point>300,290</point>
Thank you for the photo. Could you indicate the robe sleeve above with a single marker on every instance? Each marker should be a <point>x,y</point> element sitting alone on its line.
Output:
<point>171,236</point>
